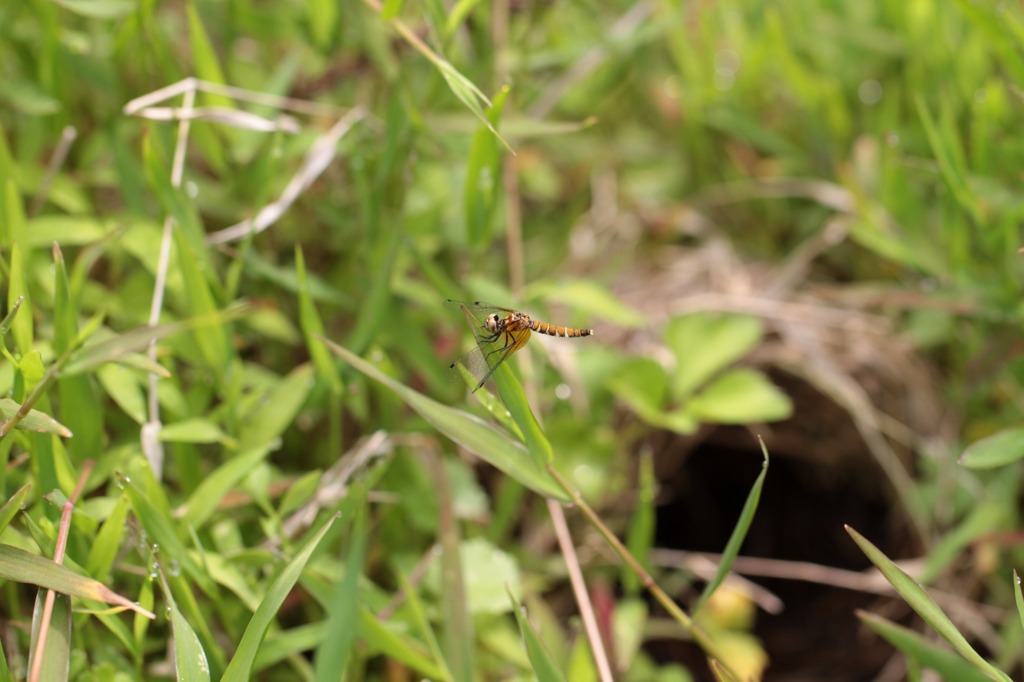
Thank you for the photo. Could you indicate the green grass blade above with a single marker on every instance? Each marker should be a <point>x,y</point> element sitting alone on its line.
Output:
<point>739,534</point>
<point>55,662</point>
<point>467,430</point>
<point>277,410</point>
<point>203,501</point>
<point>335,651</point>
<point>543,665</point>
<point>19,566</point>
<point>925,606</point>
<point>240,667</point>
<point>913,645</point>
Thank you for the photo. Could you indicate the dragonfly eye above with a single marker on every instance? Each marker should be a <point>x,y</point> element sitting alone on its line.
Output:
<point>492,322</point>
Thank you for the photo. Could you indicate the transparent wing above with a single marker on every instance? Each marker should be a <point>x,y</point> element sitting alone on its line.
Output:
<point>491,349</point>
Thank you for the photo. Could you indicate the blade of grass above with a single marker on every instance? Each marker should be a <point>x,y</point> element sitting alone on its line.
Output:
<point>335,652</point>
<point>946,663</point>
<point>240,667</point>
<point>739,534</point>
<point>467,430</point>
<point>543,665</point>
<point>925,606</point>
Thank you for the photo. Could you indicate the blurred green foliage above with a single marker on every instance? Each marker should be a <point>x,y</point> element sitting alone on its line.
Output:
<point>639,130</point>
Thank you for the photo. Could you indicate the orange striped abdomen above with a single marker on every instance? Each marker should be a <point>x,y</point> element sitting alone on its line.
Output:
<point>555,330</point>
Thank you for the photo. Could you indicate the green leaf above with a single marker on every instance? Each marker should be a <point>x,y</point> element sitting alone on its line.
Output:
<point>740,396</point>
<point>641,383</point>
<point>705,343</point>
<point>467,430</point>
<point>999,449</point>
<point>240,667</point>
<point>925,606</point>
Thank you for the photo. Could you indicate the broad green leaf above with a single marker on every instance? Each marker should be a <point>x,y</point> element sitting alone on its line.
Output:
<point>467,430</point>
<point>919,600</point>
<point>704,344</point>
<point>999,449</point>
<point>740,396</point>
<point>641,383</point>
<point>240,667</point>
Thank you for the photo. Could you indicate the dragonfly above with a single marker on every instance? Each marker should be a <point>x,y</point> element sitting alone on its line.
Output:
<point>500,332</point>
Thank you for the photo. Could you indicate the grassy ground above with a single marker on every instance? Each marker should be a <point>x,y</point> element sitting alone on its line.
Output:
<point>229,414</point>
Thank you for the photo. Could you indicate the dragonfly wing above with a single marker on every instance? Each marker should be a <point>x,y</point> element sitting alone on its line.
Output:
<point>491,350</point>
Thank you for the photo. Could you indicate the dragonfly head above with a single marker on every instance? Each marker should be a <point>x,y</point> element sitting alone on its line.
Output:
<point>493,322</point>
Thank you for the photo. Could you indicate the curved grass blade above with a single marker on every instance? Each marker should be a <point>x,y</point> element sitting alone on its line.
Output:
<point>540,660</point>
<point>925,606</point>
<point>19,566</point>
<point>480,438</point>
<point>945,662</point>
<point>739,533</point>
<point>240,667</point>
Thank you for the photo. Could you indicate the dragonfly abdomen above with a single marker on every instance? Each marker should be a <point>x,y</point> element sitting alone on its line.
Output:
<point>555,330</point>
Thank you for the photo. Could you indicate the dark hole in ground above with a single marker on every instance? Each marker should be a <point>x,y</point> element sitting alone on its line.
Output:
<point>803,507</point>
